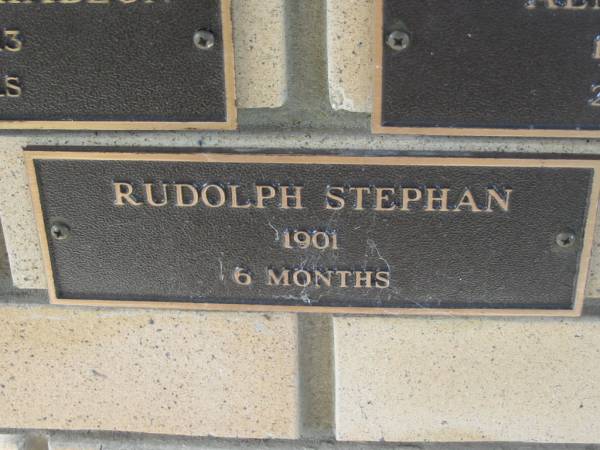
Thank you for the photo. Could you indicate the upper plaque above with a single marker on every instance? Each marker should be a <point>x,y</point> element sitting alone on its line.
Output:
<point>116,64</point>
<point>488,67</point>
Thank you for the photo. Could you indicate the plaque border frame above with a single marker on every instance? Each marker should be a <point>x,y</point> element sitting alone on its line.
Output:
<point>30,156</point>
<point>377,104</point>
<point>229,124</point>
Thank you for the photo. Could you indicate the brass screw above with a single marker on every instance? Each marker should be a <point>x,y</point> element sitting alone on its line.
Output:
<point>565,239</point>
<point>60,231</point>
<point>398,40</point>
<point>204,40</point>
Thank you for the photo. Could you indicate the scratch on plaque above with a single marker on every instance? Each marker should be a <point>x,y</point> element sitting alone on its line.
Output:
<point>374,249</point>
<point>395,291</point>
<point>303,297</point>
<point>222,273</point>
<point>275,230</point>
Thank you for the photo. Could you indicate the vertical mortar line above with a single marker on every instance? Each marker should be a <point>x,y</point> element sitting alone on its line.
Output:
<point>308,93</point>
<point>306,55</point>
<point>307,106</point>
<point>333,378</point>
<point>316,376</point>
<point>35,441</point>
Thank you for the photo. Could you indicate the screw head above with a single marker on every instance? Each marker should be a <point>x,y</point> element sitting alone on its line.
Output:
<point>398,40</point>
<point>204,40</point>
<point>60,231</point>
<point>565,239</point>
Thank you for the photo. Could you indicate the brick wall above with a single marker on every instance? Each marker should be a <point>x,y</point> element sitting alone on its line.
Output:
<point>303,82</point>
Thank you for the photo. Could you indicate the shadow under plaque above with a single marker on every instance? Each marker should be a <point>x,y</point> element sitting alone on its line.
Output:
<point>316,233</point>
<point>116,65</point>
<point>487,68</point>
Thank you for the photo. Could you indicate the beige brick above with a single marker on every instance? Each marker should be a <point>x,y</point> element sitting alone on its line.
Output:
<point>10,441</point>
<point>172,443</point>
<point>452,379</point>
<point>350,30</point>
<point>18,223</point>
<point>593,284</point>
<point>166,372</point>
<point>259,39</point>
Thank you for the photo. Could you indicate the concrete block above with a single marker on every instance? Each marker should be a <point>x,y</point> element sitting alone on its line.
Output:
<point>458,380</point>
<point>259,41</point>
<point>18,223</point>
<point>593,283</point>
<point>350,30</point>
<point>169,443</point>
<point>10,441</point>
<point>67,441</point>
<point>164,372</point>
<point>25,441</point>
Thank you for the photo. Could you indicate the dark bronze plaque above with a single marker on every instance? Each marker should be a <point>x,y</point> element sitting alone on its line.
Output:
<point>316,233</point>
<point>488,67</point>
<point>116,64</point>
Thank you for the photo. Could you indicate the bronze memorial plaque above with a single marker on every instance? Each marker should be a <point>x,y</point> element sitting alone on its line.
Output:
<point>315,233</point>
<point>487,67</point>
<point>116,65</point>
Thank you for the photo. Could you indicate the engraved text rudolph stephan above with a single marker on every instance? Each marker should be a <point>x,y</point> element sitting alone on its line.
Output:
<point>387,199</point>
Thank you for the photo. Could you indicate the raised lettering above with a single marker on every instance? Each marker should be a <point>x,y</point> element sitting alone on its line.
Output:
<point>181,198</point>
<point>296,197</point>
<point>441,200</point>
<point>124,194</point>
<point>264,192</point>
<point>206,198</point>
<point>382,199</point>
<point>282,279</point>
<point>149,187</point>
<point>363,279</point>
<point>233,191</point>
<point>13,87</point>
<point>467,201</point>
<point>410,195</point>
<point>334,201</point>
<point>502,202</point>
<point>382,280</point>
<point>359,201</point>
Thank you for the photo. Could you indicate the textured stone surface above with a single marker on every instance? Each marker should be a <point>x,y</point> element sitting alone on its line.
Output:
<point>593,283</point>
<point>119,441</point>
<point>166,372</point>
<point>158,443</point>
<point>18,222</point>
<point>27,441</point>
<point>451,379</point>
<point>274,130</point>
<point>10,441</point>
<point>259,39</point>
<point>350,30</point>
